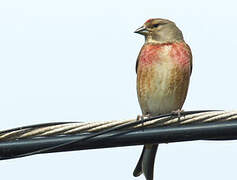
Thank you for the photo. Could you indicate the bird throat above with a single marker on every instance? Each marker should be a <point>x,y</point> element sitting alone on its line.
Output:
<point>149,39</point>
<point>164,36</point>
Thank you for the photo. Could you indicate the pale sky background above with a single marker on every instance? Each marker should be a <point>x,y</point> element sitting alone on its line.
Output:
<point>74,60</point>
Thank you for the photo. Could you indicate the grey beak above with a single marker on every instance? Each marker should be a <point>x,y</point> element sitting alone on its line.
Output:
<point>141,30</point>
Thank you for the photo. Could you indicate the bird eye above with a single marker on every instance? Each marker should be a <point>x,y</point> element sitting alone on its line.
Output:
<point>155,25</point>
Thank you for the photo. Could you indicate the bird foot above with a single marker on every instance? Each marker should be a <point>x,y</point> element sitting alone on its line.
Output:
<point>143,117</point>
<point>177,113</point>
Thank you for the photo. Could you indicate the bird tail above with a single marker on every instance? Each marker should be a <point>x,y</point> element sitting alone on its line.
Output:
<point>146,161</point>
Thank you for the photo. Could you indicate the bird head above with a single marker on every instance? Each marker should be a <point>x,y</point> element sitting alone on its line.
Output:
<point>160,31</point>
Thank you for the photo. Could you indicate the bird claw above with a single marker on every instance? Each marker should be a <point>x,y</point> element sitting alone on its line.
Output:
<point>178,114</point>
<point>142,118</point>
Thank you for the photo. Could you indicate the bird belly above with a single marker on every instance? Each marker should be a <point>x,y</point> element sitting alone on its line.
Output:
<point>162,86</point>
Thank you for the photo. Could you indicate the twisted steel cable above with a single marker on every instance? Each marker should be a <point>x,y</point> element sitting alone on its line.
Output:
<point>68,128</point>
<point>66,136</point>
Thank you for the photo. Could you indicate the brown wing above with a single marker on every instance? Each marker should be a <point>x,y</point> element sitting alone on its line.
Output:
<point>136,64</point>
<point>191,64</point>
<point>191,59</point>
<point>138,60</point>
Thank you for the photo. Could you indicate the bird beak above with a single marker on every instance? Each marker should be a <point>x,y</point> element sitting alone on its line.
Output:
<point>141,30</point>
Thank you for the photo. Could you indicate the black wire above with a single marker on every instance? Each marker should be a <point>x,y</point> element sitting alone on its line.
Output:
<point>119,127</point>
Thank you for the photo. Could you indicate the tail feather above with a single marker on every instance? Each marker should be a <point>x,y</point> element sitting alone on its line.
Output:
<point>146,161</point>
<point>138,169</point>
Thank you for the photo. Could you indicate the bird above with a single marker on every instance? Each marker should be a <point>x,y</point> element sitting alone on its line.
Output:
<point>163,67</point>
